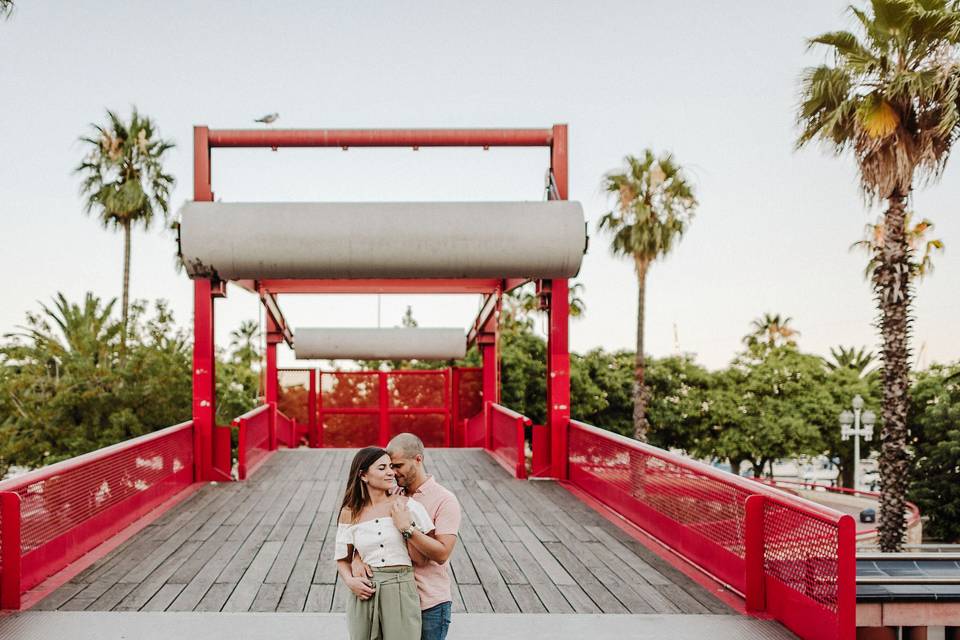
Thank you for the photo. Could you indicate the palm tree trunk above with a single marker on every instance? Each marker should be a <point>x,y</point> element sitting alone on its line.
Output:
<point>891,280</point>
<point>640,395</point>
<point>126,284</point>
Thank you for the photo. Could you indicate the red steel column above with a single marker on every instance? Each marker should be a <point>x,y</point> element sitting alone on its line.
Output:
<point>754,582</point>
<point>204,379</point>
<point>847,579</point>
<point>558,359</point>
<point>10,550</point>
<point>312,432</point>
<point>490,354</point>
<point>204,359</point>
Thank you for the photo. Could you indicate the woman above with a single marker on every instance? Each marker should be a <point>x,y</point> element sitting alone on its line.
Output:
<point>386,607</point>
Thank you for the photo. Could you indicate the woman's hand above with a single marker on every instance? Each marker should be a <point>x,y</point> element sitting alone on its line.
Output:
<point>361,587</point>
<point>402,518</point>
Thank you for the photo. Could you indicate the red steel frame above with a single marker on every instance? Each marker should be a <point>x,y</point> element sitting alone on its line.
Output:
<point>211,446</point>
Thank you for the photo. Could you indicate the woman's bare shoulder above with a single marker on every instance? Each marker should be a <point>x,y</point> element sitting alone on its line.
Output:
<point>346,516</point>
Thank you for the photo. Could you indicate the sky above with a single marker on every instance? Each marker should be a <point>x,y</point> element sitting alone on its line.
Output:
<point>714,83</point>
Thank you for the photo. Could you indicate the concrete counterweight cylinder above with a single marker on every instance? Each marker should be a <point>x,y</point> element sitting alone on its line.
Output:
<point>380,344</point>
<point>382,240</point>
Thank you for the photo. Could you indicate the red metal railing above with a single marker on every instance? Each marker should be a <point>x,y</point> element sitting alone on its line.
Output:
<point>361,408</point>
<point>256,438</point>
<point>54,515</point>
<point>287,433</point>
<point>505,438</point>
<point>787,556</point>
<point>913,517</point>
<point>475,431</point>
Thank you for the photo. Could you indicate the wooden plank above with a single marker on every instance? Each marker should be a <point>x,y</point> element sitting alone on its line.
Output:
<point>578,599</point>
<point>475,599</point>
<point>268,597</point>
<point>298,584</point>
<point>549,594</point>
<point>607,602</point>
<point>462,568</point>
<point>246,590</point>
<point>501,557</point>
<point>493,583</point>
<point>215,597</point>
<point>558,575</point>
<point>59,597</point>
<point>162,599</point>
<point>112,597</point>
<point>526,598</point>
<point>135,599</point>
<point>320,598</point>
<point>289,552</point>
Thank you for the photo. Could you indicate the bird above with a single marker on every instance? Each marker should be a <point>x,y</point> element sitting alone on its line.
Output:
<point>270,118</point>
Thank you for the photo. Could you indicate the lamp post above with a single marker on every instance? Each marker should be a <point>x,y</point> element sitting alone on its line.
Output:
<point>850,425</point>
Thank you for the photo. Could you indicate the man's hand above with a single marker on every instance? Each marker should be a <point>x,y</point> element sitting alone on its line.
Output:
<point>402,518</point>
<point>361,587</point>
<point>359,568</point>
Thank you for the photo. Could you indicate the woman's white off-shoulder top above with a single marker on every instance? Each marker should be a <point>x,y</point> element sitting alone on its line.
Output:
<point>378,541</point>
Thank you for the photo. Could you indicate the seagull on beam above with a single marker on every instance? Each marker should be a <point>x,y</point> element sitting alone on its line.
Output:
<point>270,118</point>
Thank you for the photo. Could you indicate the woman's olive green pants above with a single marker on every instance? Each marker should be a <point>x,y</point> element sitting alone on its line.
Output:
<point>393,613</point>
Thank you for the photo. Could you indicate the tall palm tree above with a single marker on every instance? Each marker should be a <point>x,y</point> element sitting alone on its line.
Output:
<point>771,330</point>
<point>921,264</point>
<point>6,9</point>
<point>123,181</point>
<point>889,94</point>
<point>654,204</point>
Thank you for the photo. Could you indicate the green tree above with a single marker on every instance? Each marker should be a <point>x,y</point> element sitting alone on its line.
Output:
<point>124,183</point>
<point>527,302</point>
<point>842,384</point>
<point>889,95</point>
<point>769,404</point>
<point>654,204</point>
<point>935,430</point>
<point>680,395</point>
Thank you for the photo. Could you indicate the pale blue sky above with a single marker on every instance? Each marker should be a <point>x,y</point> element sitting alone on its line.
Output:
<point>713,82</point>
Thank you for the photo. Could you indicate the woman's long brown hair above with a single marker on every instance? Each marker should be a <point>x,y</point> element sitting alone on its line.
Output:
<point>357,496</point>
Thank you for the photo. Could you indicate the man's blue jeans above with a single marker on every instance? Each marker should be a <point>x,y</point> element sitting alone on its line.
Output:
<point>435,622</point>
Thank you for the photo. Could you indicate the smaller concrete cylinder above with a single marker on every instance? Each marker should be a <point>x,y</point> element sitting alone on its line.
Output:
<point>379,344</point>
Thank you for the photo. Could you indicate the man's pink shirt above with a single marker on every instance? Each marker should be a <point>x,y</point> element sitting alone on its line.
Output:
<point>433,580</point>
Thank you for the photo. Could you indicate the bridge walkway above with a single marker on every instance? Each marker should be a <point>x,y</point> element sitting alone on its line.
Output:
<point>266,545</point>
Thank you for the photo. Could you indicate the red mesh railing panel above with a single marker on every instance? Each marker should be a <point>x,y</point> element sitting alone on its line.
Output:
<point>417,389</point>
<point>254,439</point>
<point>350,430</point>
<point>293,397</point>
<point>343,389</point>
<point>702,514</point>
<point>801,552</point>
<point>507,439</point>
<point>287,431</point>
<point>72,506</point>
<point>469,397</point>
<point>476,431</point>
<point>430,427</point>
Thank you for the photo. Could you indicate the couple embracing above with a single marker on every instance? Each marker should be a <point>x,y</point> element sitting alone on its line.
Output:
<point>396,532</point>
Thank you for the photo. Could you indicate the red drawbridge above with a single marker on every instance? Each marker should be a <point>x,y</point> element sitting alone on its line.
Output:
<point>563,517</point>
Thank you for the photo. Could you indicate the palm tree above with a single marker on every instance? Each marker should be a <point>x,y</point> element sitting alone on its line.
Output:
<point>654,204</point>
<point>875,235</point>
<point>244,342</point>
<point>771,330</point>
<point>890,95</point>
<point>124,181</point>
<point>6,8</point>
<point>529,302</point>
<point>858,360</point>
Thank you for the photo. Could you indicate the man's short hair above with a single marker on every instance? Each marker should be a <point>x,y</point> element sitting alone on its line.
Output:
<point>406,444</point>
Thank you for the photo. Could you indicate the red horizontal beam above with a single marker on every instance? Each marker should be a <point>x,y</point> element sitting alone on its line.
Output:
<point>274,138</point>
<point>431,285</point>
<point>390,410</point>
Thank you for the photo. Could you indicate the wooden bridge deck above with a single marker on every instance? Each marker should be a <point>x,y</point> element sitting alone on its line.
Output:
<point>267,545</point>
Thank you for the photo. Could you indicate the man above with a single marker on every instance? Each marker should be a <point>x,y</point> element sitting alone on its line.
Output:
<point>430,553</point>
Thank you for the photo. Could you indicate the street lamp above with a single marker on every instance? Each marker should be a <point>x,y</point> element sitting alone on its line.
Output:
<point>857,423</point>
